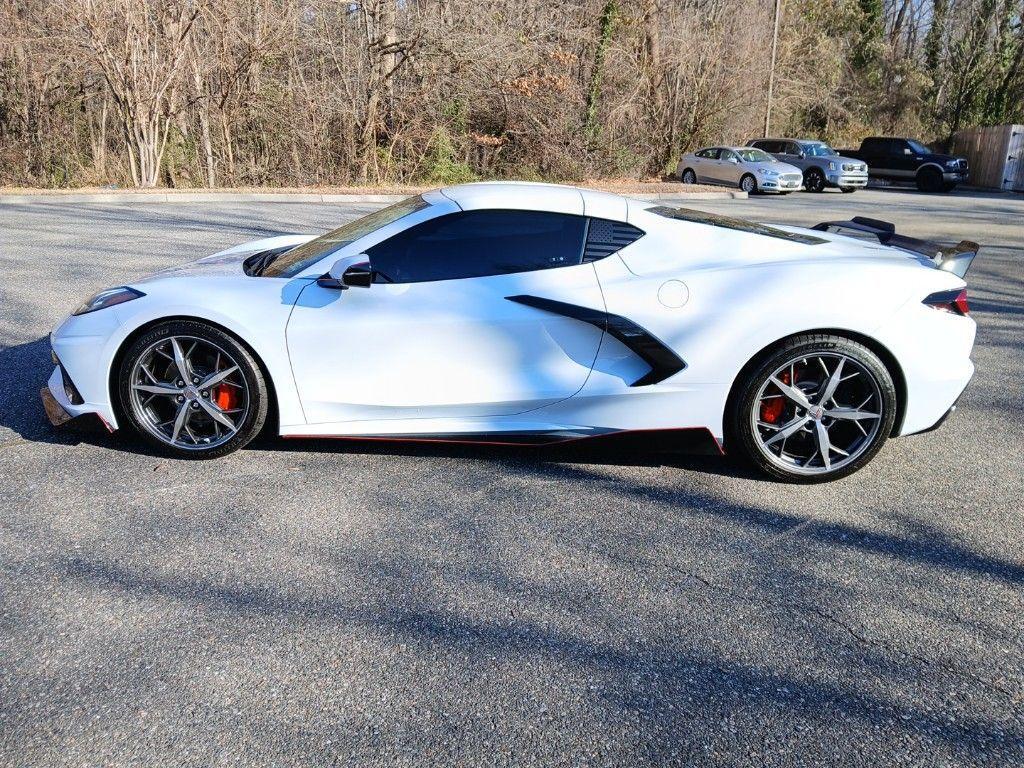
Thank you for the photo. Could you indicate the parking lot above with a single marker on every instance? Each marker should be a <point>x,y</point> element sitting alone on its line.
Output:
<point>316,603</point>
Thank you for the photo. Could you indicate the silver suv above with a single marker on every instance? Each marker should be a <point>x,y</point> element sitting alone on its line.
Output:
<point>822,166</point>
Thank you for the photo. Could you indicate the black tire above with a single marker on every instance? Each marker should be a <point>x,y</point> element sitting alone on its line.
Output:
<point>814,180</point>
<point>688,177</point>
<point>741,416</point>
<point>747,177</point>
<point>847,190</point>
<point>929,179</point>
<point>948,186</point>
<point>250,423</point>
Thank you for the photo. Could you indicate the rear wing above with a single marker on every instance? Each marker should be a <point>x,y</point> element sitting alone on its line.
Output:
<point>956,259</point>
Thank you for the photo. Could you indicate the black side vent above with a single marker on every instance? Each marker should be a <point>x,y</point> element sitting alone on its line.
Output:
<point>605,237</point>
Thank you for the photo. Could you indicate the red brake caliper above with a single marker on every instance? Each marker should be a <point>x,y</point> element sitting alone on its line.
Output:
<point>771,410</point>
<point>224,397</point>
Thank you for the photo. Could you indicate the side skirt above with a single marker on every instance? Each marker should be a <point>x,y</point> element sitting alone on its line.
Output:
<point>690,440</point>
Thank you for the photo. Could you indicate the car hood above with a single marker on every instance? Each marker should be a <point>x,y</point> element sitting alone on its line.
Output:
<point>773,165</point>
<point>937,158</point>
<point>839,159</point>
<point>229,261</point>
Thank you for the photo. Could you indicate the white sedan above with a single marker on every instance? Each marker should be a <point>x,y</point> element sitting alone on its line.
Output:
<point>524,313</point>
<point>749,168</point>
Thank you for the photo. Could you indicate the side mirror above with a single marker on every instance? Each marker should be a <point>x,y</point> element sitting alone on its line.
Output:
<point>352,271</point>
<point>357,276</point>
<point>801,154</point>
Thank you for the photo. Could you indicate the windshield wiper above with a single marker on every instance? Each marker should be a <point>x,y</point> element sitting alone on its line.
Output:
<point>257,264</point>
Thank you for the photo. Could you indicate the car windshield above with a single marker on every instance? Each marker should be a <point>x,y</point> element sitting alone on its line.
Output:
<point>918,147</point>
<point>818,150</point>
<point>752,155</point>
<point>292,262</point>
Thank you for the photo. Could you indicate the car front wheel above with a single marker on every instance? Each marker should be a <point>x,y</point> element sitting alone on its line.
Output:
<point>814,180</point>
<point>816,409</point>
<point>748,184</point>
<point>191,390</point>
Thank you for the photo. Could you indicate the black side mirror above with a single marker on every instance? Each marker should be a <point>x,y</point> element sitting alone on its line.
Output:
<point>357,276</point>
<point>344,274</point>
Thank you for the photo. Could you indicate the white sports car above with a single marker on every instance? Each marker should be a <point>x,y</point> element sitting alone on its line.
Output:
<point>533,313</point>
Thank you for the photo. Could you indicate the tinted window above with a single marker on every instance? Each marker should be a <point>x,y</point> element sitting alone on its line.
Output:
<point>767,146</point>
<point>479,243</point>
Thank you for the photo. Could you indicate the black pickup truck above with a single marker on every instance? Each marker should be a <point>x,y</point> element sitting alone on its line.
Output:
<point>910,160</point>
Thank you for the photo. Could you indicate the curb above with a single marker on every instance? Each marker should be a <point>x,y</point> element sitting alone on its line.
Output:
<point>294,197</point>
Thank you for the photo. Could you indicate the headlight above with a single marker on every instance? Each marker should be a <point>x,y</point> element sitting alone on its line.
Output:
<point>108,298</point>
<point>767,171</point>
<point>831,165</point>
<point>952,163</point>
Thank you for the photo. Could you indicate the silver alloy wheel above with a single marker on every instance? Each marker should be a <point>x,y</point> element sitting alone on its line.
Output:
<point>817,413</point>
<point>188,393</point>
<point>747,184</point>
<point>689,177</point>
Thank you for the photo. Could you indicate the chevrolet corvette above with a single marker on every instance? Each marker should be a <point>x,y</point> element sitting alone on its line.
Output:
<point>514,313</point>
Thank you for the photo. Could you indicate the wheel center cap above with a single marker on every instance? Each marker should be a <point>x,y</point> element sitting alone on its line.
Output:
<point>191,393</point>
<point>817,412</point>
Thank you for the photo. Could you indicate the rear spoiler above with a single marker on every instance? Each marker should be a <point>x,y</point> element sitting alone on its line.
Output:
<point>956,259</point>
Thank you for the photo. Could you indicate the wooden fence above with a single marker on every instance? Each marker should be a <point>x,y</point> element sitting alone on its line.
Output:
<point>996,155</point>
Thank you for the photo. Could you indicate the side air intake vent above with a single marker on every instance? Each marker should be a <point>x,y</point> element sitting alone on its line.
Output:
<point>606,237</point>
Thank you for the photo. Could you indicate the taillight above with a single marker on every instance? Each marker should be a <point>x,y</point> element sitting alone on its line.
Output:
<point>954,301</point>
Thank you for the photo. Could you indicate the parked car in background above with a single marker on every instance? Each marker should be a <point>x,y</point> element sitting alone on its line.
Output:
<point>821,165</point>
<point>749,168</point>
<point>899,159</point>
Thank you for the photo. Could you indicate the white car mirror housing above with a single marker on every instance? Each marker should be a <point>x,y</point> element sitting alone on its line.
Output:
<point>350,271</point>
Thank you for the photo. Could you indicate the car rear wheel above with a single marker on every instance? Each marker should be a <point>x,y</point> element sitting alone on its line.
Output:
<point>815,409</point>
<point>689,177</point>
<point>814,180</point>
<point>929,179</point>
<point>748,184</point>
<point>191,390</point>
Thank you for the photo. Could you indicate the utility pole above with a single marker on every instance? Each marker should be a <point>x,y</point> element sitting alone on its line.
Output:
<point>771,70</point>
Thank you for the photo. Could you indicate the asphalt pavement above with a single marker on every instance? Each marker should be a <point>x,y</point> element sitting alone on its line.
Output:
<point>316,603</point>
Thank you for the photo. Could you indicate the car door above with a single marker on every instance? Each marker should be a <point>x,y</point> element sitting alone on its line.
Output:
<point>905,159</point>
<point>436,334</point>
<point>729,169</point>
<point>706,160</point>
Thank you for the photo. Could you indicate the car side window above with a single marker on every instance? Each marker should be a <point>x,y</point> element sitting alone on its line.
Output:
<point>708,154</point>
<point>478,244</point>
<point>791,148</point>
<point>727,154</point>
<point>771,147</point>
